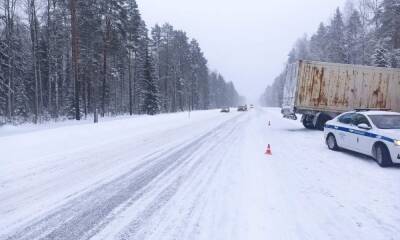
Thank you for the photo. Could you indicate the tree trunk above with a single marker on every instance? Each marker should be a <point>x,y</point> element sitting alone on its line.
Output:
<point>85,98</point>
<point>105,52</point>
<point>57,107</point>
<point>9,12</point>
<point>34,57</point>
<point>55,72</point>
<point>75,56</point>
<point>135,82</point>
<point>130,82</point>
<point>49,69</point>
<point>38,68</point>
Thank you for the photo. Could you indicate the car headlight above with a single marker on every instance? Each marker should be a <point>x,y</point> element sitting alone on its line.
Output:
<point>397,142</point>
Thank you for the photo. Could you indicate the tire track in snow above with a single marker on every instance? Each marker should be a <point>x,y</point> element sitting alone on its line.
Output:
<point>196,180</point>
<point>83,214</point>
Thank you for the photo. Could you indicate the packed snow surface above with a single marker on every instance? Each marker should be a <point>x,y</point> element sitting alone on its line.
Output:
<point>204,177</point>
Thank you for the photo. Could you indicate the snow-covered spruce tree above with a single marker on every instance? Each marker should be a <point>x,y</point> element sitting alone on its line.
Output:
<point>353,37</point>
<point>395,58</point>
<point>366,33</point>
<point>388,31</point>
<point>336,39</point>
<point>139,68</point>
<point>318,43</point>
<point>302,48</point>
<point>380,58</point>
<point>300,51</point>
<point>134,21</point>
<point>151,103</point>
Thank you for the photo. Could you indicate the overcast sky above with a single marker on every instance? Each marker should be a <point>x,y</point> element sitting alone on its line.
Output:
<point>246,41</point>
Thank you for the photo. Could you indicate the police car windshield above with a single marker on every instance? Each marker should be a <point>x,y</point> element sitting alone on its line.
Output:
<point>386,121</point>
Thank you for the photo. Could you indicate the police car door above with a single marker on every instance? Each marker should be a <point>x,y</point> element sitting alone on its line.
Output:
<point>361,140</point>
<point>343,126</point>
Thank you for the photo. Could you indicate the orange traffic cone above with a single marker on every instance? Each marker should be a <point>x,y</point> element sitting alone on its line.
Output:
<point>269,151</point>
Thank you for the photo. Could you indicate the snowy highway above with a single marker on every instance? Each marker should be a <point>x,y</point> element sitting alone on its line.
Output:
<point>204,177</point>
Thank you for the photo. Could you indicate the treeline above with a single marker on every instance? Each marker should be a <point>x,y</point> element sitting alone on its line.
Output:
<point>71,58</point>
<point>367,33</point>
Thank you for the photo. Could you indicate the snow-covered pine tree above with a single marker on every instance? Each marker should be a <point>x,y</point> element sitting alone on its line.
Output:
<point>182,71</point>
<point>34,28</point>
<point>75,46</point>
<point>155,45</point>
<point>73,57</point>
<point>199,80</point>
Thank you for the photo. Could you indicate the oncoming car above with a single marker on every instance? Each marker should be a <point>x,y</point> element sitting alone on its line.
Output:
<point>373,133</point>
<point>225,110</point>
<point>242,108</point>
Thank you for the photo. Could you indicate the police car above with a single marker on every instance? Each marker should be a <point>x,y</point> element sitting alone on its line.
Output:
<point>373,133</point>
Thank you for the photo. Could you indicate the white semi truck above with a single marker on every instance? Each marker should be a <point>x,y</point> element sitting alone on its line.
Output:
<point>320,91</point>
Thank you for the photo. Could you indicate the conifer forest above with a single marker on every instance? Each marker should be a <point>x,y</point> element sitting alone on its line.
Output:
<point>71,58</point>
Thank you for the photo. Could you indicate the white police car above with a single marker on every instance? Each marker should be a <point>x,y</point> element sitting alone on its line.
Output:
<point>373,133</point>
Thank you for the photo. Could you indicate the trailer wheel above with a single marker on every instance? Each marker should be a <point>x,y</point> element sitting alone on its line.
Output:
<point>322,119</point>
<point>308,121</point>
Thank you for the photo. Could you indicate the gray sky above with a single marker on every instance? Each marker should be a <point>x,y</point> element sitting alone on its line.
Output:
<point>246,41</point>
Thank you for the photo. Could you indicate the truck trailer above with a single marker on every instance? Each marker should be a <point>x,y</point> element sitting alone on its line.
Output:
<point>320,91</point>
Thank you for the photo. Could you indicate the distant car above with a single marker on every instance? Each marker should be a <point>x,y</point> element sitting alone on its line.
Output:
<point>251,106</point>
<point>225,110</point>
<point>373,133</point>
<point>242,108</point>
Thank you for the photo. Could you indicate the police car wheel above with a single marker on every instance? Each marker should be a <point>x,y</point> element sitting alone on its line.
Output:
<point>382,156</point>
<point>331,142</point>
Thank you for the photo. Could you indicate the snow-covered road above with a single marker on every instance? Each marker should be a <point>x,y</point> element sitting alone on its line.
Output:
<point>207,177</point>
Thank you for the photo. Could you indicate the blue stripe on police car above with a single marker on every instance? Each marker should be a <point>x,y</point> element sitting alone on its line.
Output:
<point>362,133</point>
